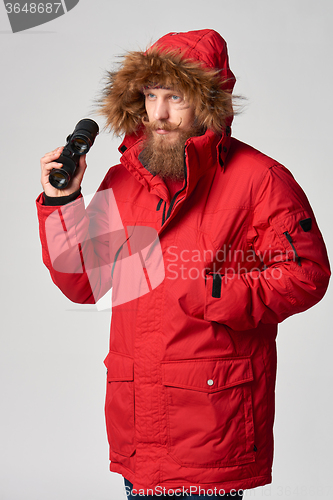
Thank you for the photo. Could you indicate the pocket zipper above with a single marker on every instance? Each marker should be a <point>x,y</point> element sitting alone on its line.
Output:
<point>289,238</point>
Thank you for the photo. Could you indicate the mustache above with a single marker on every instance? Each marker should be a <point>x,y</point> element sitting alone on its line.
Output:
<point>160,125</point>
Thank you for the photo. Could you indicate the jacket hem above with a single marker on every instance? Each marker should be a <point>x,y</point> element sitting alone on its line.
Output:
<point>239,484</point>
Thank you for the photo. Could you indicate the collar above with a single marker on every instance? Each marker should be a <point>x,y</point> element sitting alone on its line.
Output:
<point>201,153</point>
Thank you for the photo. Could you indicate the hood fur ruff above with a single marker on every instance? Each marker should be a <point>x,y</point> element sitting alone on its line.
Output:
<point>188,64</point>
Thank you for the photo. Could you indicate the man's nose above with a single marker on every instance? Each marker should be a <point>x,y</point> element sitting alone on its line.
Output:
<point>161,111</point>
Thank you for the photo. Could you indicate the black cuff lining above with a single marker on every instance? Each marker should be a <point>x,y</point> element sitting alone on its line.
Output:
<point>54,201</point>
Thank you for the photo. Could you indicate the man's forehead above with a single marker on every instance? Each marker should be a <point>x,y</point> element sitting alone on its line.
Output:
<point>162,87</point>
<point>156,85</point>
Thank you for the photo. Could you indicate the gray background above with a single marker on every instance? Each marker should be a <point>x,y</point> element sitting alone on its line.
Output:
<point>52,435</point>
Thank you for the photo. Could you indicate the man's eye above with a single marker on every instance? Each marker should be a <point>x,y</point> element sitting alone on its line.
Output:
<point>176,98</point>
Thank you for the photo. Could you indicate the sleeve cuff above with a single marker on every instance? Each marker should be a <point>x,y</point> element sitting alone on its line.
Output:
<point>54,201</point>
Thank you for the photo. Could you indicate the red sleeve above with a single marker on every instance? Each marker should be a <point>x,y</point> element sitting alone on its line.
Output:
<point>76,244</point>
<point>295,273</point>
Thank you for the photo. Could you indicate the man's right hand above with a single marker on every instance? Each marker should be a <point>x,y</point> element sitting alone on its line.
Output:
<point>48,162</point>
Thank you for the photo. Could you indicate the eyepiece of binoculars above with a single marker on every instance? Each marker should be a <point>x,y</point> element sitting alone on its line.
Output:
<point>78,144</point>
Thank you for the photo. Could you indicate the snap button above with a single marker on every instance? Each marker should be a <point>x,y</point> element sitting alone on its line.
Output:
<point>210,382</point>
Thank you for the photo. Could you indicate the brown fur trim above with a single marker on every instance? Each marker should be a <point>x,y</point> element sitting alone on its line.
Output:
<point>122,101</point>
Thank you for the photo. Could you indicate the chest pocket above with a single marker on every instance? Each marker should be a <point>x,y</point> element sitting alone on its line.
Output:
<point>209,411</point>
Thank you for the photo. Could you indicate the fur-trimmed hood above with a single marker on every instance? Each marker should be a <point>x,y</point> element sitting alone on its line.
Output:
<point>196,63</point>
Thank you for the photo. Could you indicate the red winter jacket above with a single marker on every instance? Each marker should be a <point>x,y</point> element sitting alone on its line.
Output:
<point>200,283</point>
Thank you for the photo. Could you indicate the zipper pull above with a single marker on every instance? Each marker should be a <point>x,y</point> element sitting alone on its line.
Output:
<point>289,238</point>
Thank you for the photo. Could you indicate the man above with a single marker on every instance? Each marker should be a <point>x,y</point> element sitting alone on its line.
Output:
<point>192,361</point>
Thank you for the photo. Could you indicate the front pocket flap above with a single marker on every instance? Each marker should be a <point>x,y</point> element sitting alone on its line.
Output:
<point>207,375</point>
<point>120,367</point>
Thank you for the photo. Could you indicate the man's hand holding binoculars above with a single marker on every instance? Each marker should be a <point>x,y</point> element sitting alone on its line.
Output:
<point>63,168</point>
<point>48,163</point>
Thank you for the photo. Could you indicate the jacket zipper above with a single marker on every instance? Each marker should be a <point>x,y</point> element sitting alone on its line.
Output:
<point>159,204</point>
<point>117,255</point>
<point>163,215</point>
<point>289,238</point>
<point>173,201</point>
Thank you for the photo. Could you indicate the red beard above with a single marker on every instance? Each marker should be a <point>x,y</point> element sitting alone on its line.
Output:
<point>164,157</point>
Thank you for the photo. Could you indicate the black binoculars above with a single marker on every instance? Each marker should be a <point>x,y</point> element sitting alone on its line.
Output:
<point>77,144</point>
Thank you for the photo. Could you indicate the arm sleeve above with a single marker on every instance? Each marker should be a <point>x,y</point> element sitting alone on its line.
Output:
<point>295,270</point>
<point>76,246</point>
